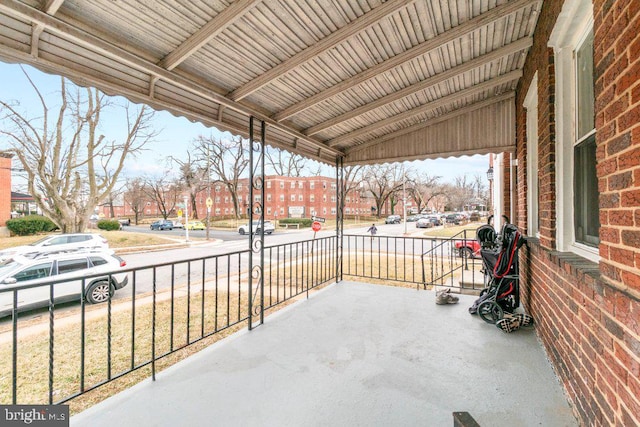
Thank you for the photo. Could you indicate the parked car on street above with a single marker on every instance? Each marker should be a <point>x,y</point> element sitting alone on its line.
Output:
<point>268,228</point>
<point>196,225</point>
<point>98,270</point>
<point>124,221</point>
<point>178,224</point>
<point>393,219</point>
<point>467,248</point>
<point>58,243</point>
<point>427,222</point>
<point>163,224</point>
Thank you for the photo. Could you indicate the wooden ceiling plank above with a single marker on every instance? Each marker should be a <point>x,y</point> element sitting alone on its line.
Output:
<point>487,85</point>
<point>96,44</point>
<point>208,32</point>
<point>437,42</point>
<point>477,62</point>
<point>323,45</point>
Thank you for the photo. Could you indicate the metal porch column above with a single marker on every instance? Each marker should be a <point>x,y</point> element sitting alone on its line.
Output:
<point>256,217</point>
<point>340,198</point>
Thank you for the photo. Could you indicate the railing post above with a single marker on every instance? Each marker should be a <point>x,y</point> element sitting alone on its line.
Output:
<point>256,240</point>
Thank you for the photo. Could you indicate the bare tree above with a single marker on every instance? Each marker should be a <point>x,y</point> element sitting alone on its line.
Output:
<point>284,163</point>
<point>164,193</point>
<point>135,197</point>
<point>382,181</point>
<point>423,188</point>
<point>228,160</point>
<point>192,179</point>
<point>71,166</point>
<point>460,192</point>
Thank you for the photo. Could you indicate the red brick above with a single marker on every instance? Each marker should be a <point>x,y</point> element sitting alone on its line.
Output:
<point>620,181</point>
<point>630,118</point>
<point>622,256</point>
<point>621,217</point>
<point>630,198</point>
<point>630,279</point>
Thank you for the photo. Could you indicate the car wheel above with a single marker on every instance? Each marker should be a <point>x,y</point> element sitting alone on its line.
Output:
<point>466,253</point>
<point>241,231</point>
<point>258,231</point>
<point>269,232</point>
<point>99,292</point>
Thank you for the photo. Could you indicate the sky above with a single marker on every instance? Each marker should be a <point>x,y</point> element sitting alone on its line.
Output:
<point>175,133</point>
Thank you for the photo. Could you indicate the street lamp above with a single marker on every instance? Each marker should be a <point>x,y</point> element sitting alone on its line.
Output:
<point>490,178</point>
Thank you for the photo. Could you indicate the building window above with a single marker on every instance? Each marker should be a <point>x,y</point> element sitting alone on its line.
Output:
<point>217,211</point>
<point>268,184</point>
<point>268,211</point>
<point>281,211</point>
<point>324,198</point>
<point>576,180</point>
<point>268,197</point>
<point>333,211</point>
<point>300,184</point>
<point>217,199</point>
<point>300,198</point>
<point>281,184</point>
<point>293,184</point>
<point>312,198</point>
<point>312,185</point>
<point>586,216</point>
<point>293,197</point>
<point>324,211</point>
<point>533,180</point>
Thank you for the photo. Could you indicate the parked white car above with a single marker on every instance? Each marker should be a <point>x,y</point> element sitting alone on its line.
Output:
<point>268,228</point>
<point>58,243</point>
<point>98,269</point>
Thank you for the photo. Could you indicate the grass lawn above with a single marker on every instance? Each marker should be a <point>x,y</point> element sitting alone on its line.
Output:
<point>117,239</point>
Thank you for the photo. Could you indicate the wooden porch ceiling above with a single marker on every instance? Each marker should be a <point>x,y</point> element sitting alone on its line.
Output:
<point>366,80</point>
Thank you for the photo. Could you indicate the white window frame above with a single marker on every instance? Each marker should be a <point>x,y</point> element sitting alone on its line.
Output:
<point>531,104</point>
<point>572,26</point>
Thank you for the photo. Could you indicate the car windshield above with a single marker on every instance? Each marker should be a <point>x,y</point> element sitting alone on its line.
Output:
<point>7,266</point>
<point>40,241</point>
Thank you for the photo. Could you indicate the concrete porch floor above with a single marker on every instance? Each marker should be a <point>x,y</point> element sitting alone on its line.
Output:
<point>353,354</point>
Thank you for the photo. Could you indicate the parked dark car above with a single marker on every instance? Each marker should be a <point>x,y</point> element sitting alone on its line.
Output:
<point>163,224</point>
<point>453,219</point>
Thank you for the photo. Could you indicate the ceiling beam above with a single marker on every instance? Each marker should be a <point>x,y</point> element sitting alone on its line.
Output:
<point>208,32</point>
<point>434,80</point>
<point>437,42</point>
<point>50,8</point>
<point>71,33</point>
<point>323,45</point>
<point>419,126</point>
<point>473,90</point>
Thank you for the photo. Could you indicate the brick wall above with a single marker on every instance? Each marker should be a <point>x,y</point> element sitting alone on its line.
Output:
<point>588,314</point>
<point>5,188</point>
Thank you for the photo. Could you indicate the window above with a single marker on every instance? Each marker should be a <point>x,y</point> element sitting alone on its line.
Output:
<point>293,197</point>
<point>293,184</point>
<point>312,185</point>
<point>96,260</point>
<point>312,198</point>
<point>268,184</point>
<point>268,211</point>
<point>576,180</point>
<point>34,272</point>
<point>282,197</point>
<point>268,197</point>
<point>69,265</point>
<point>281,184</point>
<point>533,180</point>
<point>300,198</point>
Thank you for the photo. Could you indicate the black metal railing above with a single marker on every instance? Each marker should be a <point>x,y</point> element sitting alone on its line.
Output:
<point>168,307</point>
<point>78,347</point>
<point>425,261</point>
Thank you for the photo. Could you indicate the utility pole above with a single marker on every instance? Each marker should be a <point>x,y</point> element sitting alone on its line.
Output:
<point>209,201</point>
<point>404,199</point>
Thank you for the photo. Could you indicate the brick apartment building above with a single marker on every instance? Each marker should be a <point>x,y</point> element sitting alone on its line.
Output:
<point>286,197</point>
